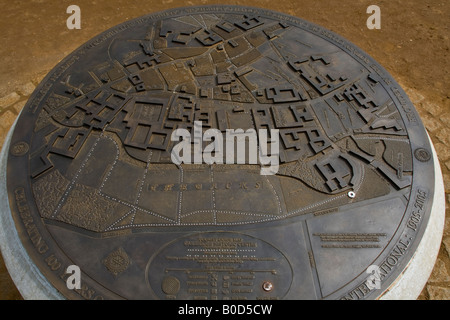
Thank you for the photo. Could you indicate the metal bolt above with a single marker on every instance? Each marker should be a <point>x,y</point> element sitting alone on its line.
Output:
<point>267,286</point>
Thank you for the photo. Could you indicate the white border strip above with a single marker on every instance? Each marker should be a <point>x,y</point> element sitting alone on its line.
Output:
<point>410,283</point>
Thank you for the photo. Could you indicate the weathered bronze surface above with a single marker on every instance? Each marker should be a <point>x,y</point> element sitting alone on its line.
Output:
<point>91,181</point>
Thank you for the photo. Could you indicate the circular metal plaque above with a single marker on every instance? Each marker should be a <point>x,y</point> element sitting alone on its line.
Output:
<point>92,179</point>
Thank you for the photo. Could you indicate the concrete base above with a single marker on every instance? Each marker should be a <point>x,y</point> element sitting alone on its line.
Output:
<point>34,286</point>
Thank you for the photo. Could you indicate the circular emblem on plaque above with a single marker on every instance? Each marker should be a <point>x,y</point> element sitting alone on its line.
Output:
<point>20,149</point>
<point>170,285</point>
<point>422,154</point>
<point>220,152</point>
<point>117,261</point>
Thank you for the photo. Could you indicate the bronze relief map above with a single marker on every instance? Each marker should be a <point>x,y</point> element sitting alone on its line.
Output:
<point>91,181</point>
